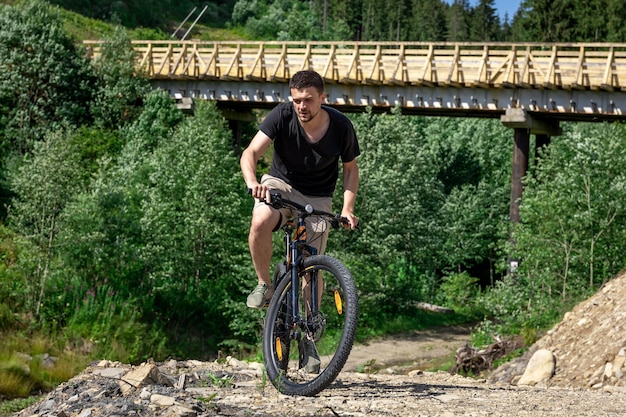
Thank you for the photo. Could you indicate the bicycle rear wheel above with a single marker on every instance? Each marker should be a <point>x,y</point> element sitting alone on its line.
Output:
<point>328,332</point>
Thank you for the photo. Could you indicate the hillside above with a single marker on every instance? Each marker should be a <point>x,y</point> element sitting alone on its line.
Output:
<point>589,343</point>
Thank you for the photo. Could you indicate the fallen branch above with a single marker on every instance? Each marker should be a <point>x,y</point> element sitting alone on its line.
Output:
<point>434,308</point>
<point>474,361</point>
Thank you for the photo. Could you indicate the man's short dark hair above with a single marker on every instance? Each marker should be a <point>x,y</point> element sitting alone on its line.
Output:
<point>306,79</point>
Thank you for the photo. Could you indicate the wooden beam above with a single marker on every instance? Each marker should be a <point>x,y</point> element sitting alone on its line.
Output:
<point>520,167</point>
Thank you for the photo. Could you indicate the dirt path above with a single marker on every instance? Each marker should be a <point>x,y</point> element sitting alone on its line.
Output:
<point>405,352</point>
<point>387,392</point>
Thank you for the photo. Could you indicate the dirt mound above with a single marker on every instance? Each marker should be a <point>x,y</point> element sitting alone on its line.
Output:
<point>589,344</point>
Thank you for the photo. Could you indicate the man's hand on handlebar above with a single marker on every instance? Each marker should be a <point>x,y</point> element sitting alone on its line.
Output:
<point>352,219</point>
<point>261,192</point>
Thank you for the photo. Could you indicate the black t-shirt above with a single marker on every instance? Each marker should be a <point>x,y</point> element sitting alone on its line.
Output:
<point>311,168</point>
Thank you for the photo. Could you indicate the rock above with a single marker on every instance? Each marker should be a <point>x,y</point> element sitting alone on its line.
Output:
<point>146,375</point>
<point>162,400</point>
<point>540,368</point>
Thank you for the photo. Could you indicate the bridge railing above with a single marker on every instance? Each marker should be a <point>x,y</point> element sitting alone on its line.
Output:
<point>490,65</point>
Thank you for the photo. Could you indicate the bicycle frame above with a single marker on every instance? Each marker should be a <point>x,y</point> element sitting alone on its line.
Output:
<point>296,249</point>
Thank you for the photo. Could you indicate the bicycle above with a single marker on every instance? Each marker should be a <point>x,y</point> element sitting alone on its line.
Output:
<point>312,313</point>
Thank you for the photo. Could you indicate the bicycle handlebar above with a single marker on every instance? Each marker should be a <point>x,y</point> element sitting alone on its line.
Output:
<point>277,201</point>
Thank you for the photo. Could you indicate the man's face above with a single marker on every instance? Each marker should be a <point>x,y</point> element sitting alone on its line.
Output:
<point>307,102</point>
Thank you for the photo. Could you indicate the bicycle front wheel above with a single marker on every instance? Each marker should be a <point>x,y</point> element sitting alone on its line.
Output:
<point>305,357</point>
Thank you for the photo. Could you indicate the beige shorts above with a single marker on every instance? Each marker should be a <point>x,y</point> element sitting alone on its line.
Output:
<point>317,229</point>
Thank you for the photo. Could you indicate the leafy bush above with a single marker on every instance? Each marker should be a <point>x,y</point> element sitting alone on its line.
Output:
<point>459,291</point>
<point>46,82</point>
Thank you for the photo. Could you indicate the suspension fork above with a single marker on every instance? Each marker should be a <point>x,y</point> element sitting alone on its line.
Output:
<point>309,286</point>
<point>295,259</point>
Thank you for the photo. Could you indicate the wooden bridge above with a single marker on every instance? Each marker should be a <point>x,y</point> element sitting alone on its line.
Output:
<point>563,81</point>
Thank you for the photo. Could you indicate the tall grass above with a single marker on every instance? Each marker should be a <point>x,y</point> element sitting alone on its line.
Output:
<point>32,364</point>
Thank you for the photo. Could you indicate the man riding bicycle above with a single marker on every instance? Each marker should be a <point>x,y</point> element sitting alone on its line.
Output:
<point>309,138</point>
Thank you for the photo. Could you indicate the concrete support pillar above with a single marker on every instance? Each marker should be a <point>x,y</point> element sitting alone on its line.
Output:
<point>236,120</point>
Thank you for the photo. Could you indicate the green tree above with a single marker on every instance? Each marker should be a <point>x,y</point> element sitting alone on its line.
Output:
<point>579,216</point>
<point>399,196</point>
<point>104,224</point>
<point>484,22</point>
<point>546,21</point>
<point>120,91</point>
<point>45,81</point>
<point>615,14</point>
<point>194,222</point>
<point>163,230</point>
<point>472,157</point>
<point>43,186</point>
<point>101,234</point>
<point>591,21</point>
<point>433,198</point>
<point>458,21</point>
<point>432,28</point>
<point>571,238</point>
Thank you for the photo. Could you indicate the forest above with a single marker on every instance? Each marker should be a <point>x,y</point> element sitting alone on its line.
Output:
<point>375,20</point>
<point>123,230</point>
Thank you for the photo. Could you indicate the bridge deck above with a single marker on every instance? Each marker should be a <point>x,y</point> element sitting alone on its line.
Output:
<point>591,67</point>
<point>532,65</point>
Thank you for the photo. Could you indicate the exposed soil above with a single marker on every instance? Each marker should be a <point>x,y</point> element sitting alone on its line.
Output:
<point>400,354</point>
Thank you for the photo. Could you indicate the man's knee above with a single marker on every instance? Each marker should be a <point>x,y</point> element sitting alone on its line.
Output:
<point>264,220</point>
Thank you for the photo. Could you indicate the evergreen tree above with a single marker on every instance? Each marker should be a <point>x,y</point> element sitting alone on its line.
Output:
<point>484,22</point>
<point>547,21</point>
<point>590,21</point>
<point>458,21</point>
<point>120,92</point>
<point>615,16</point>
<point>428,21</point>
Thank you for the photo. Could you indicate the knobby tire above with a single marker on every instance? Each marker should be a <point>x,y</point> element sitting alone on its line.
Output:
<point>334,339</point>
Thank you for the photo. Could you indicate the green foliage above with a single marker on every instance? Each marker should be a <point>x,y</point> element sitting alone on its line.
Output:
<point>120,92</point>
<point>130,230</point>
<point>45,81</point>
<point>485,23</point>
<point>145,13</point>
<point>8,408</point>
<point>571,239</point>
<point>459,291</point>
<point>432,201</point>
<point>163,230</point>
<point>12,289</point>
<point>570,21</point>
<point>366,20</point>
<point>281,20</point>
<point>43,185</point>
<point>572,232</point>
<point>114,324</point>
